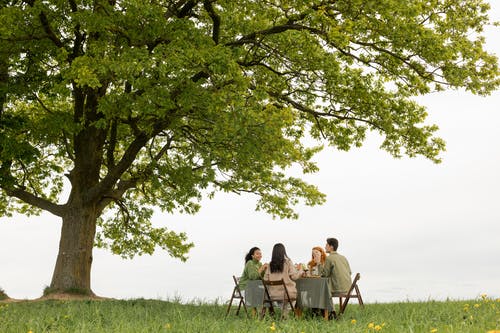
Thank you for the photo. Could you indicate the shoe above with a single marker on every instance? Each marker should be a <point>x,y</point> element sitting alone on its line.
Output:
<point>332,315</point>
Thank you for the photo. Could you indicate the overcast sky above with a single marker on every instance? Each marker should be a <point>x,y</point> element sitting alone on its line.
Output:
<point>413,229</point>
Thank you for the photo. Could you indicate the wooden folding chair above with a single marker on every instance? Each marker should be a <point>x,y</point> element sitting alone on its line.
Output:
<point>345,297</point>
<point>267,301</point>
<point>237,295</point>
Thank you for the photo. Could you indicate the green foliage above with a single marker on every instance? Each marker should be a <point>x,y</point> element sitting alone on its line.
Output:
<point>172,316</point>
<point>156,104</point>
<point>3,295</point>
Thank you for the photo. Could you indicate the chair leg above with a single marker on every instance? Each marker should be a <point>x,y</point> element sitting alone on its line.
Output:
<point>229,306</point>
<point>344,305</point>
<point>262,312</point>
<point>271,310</point>
<point>244,306</point>
<point>265,308</point>
<point>358,294</point>
<point>238,310</point>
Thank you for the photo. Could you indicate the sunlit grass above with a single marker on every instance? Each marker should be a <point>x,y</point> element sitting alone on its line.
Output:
<point>479,315</point>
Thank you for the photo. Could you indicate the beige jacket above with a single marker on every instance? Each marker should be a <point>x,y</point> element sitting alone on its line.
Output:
<point>289,274</point>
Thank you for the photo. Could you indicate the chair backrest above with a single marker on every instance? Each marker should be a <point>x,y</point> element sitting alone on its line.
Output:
<point>354,283</point>
<point>286,299</point>
<point>237,291</point>
<point>237,295</point>
<point>351,294</point>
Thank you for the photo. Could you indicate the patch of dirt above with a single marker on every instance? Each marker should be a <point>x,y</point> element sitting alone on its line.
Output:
<point>72,297</point>
<point>10,300</point>
<point>60,297</point>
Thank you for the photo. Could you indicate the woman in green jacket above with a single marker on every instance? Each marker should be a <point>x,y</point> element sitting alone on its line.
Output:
<point>254,269</point>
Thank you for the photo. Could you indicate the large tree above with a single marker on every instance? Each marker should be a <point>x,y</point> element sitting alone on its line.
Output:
<point>109,108</point>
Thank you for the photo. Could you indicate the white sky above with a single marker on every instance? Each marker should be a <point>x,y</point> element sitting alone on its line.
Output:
<point>413,229</point>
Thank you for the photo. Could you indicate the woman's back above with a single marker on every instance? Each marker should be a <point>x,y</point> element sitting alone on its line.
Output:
<point>289,274</point>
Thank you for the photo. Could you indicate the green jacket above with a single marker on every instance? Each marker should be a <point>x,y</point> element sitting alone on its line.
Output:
<point>250,272</point>
<point>338,272</point>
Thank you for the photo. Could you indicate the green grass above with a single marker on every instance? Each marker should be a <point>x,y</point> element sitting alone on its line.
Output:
<point>481,315</point>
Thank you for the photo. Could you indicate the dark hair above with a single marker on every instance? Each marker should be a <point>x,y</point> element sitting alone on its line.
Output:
<point>278,258</point>
<point>333,242</point>
<point>250,253</point>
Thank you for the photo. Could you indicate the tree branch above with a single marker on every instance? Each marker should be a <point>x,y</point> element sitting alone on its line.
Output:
<point>289,25</point>
<point>208,4</point>
<point>46,26</point>
<point>36,201</point>
<point>425,75</point>
<point>124,185</point>
<point>314,113</point>
<point>186,8</point>
<point>252,37</point>
<point>79,37</point>
<point>116,172</point>
<point>112,144</point>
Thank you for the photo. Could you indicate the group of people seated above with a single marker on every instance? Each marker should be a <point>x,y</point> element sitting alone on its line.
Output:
<point>335,267</point>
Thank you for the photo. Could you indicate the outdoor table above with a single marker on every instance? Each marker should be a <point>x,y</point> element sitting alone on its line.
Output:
<point>311,293</point>
<point>254,293</point>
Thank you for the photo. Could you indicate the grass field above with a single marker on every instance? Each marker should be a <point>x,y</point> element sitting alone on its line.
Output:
<point>481,315</point>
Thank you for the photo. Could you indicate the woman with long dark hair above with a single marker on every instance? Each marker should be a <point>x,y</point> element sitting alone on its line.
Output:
<point>254,270</point>
<point>282,267</point>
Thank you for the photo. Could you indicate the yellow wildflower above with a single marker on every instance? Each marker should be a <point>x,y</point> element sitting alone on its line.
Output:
<point>378,327</point>
<point>371,325</point>
<point>493,331</point>
<point>434,330</point>
<point>168,326</point>
<point>273,327</point>
<point>477,305</point>
<point>353,321</point>
<point>483,296</point>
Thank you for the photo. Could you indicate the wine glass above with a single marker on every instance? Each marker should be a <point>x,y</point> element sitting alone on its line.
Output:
<point>305,269</point>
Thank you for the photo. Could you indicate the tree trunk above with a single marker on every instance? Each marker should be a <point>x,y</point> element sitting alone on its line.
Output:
<point>74,261</point>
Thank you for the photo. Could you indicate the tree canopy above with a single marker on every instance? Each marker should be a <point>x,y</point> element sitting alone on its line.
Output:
<point>143,104</point>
